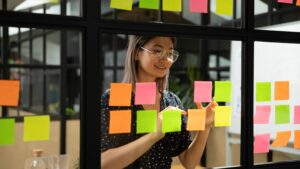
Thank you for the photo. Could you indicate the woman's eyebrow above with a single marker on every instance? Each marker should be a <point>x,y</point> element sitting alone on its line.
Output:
<point>158,45</point>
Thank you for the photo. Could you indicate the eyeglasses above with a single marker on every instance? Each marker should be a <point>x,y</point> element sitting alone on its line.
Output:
<point>171,55</point>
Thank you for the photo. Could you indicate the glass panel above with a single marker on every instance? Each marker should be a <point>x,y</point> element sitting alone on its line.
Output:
<point>213,17</point>
<point>73,93</point>
<point>53,48</point>
<point>195,64</point>
<point>53,7</point>
<point>276,16</point>
<point>53,91</point>
<point>37,51</point>
<point>74,49</point>
<point>276,63</point>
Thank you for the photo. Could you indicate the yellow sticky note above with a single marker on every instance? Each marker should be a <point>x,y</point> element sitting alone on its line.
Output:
<point>282,139</point>
<point>223,116</point>
<point>172,5</point>
<point>36,128</point>
<point>224,7</point>
<point>196,119</point>
<point>121,4</point>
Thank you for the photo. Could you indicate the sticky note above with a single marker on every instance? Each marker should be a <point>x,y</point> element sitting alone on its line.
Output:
<point>286,1</point>
<point>297,115</point>
<point>120,121</point>
<point>149,4</point>
<point>298,3</point>
<point>262,114</point>
<point>199,6</point>
<point>297,139</point>
<point>120,94</point>
<point>223,116</point>
<point>282,139</point>
<point>282,114</point>
<point>145,93</point>
<point>224,7</point>
<point>121,4</point>
<point>263,91</point>
<point>202,91</point>
<point>171,121</point>
<point>9,92</point>
<point>146,121</point>
<point>261,143</point>
<point>222,91</point>
<point>172,5</point>
<point>196,119</point>
<point>7,131</point>
<point>36,128</point>
<point>282,91</point>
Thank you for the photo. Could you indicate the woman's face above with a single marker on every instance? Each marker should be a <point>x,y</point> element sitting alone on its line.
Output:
<point>148,62</point>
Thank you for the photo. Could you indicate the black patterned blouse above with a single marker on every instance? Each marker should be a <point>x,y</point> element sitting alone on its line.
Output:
<point>160,154</point>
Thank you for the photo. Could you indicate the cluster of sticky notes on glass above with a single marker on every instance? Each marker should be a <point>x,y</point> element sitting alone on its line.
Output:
<point>261,143</point>
<point>223,7</point>
<point>196,119</point>
<point>7,131</point>
<point>36,128</point>
<point>9,92</point>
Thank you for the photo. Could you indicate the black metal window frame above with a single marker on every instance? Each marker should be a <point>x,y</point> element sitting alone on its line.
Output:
<point>91,26</point>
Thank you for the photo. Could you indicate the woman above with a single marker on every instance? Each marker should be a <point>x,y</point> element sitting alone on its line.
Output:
<point>149,60</point>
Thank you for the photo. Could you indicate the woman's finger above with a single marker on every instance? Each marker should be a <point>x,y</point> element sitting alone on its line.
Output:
<point>199,105</point>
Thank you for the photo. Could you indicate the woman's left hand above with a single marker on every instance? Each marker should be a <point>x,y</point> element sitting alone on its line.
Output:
<point>210,113</point>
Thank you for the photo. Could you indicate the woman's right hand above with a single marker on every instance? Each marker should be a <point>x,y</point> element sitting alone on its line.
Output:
<point>159,134</point>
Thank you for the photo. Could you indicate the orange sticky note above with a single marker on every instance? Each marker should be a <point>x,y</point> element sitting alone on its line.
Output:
<point>298,3</point>
<point>9,92</point>
<point>120,121</point>
<point>297,139</point>
<point>196,119</point>
<point>282,90</point>
<point>282,139</point>
<point>120,94</point>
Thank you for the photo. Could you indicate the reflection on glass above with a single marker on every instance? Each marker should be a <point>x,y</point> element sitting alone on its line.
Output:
<point>53,91</point>
<point>37,51</point>
<point>73,93</point>
<point>74,49</point>
<point>53,48</point>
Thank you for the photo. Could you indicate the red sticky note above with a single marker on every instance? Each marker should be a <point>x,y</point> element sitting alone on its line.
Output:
<point>282,91</point>
<point>261,143</point>
<point>297,115</point>
<point>9,92</point>
<point>199,6</point>
<point>196,119</point>
<point>145,93</point>
<point>120,94</point>
<point>202,91</point>
<point>262,114</point>
<point>120,121</point>
<point>286,1</point>
<point>297,139</point>
<point>282,139</point>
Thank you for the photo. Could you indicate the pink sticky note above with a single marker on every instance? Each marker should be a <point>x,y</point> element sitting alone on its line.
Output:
<point>297,115</point>
<point>262,115</point>
<point>145,93</point>
<point>261,143</point>
<point>286,1</point>
<point>199,6</point>
<point>202,91</point>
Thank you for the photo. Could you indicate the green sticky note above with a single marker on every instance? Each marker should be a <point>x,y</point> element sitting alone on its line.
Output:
<point>263,91</point>
<point>7,131</point>
<point>54,1</point>
<point>223,116</point>
<point>149,4</point>
<point>222,91</point>
<point>224,7</point>
<point>146,121</point>
<point>36,128</point>
<point>282,114</point>
<point>171,121</point>
<point>172,5</point>
<point>121,4</point>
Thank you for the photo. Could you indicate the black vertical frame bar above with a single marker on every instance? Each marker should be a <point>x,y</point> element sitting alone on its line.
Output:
<point>90,109</point>
<point>63,83</point>
<point>5,62</point>
<point>247,85</point>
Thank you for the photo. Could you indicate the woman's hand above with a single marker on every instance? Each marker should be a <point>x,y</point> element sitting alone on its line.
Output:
<point>210,113</point>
